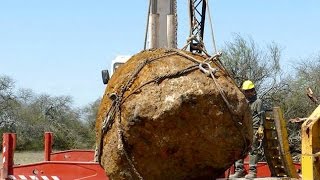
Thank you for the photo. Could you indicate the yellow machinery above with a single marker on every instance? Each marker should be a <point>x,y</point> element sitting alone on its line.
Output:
<point>276,145</point>
<point>311,147</point>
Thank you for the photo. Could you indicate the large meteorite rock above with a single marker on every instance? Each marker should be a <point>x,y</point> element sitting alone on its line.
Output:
<point>164,118</point>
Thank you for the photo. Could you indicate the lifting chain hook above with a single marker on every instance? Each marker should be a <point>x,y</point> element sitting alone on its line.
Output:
<point>207,69</point>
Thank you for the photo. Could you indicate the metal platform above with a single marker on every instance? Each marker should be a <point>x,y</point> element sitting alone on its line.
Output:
<point>266,178</point>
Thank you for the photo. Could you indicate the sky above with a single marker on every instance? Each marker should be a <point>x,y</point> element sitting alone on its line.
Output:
<point>60,47</point>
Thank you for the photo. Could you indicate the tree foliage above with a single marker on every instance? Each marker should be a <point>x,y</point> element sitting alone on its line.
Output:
<point>7,102</point>
<point>245,60</point>
<point>306,76</point>
<point>90,113</point>
<point>30,115</point>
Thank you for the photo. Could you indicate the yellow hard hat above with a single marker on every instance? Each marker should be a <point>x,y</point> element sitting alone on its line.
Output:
<point>247,85</point>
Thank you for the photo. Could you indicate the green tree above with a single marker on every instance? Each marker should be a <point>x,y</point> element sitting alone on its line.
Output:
<point>89,116</point>
<point>30,115</point>
<point>245,60</point>
<point>8,103</point>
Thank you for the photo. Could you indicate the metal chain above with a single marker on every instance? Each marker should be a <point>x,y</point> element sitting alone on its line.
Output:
<point>178,73</point>
<point>231,110</point>
<point>118,100</point>
<point>159,79</point>
<point>121,147</point>
<point>137,71</point>
<point>189,41</point>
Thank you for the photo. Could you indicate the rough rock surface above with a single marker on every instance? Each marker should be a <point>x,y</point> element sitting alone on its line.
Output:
<point>177,128</point>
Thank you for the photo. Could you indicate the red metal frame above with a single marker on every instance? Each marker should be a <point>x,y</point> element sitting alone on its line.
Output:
<point>72,164</point>
<point>48,169</point>
<point>73,155</point>
<point>48,140</point>
<point>9,144</point>
<point>60,170</point>
<point>68,155</point>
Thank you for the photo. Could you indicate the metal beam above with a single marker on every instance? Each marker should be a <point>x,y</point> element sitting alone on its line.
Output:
<point>197,14</point>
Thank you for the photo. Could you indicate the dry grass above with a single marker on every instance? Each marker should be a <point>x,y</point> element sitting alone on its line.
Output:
<point>27,157</point>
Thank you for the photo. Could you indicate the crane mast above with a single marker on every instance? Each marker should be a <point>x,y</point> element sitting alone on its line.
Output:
<point>162,30</point>
<point>197,14</point>
<point>162,24</point>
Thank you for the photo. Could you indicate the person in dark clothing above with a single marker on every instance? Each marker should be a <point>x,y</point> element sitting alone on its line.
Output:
<point>258,116</point>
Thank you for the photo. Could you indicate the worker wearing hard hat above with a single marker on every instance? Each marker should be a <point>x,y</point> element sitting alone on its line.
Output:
<point>258,117</point>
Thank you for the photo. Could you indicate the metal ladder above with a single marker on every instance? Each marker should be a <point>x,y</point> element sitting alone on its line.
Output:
<point>276,146</point>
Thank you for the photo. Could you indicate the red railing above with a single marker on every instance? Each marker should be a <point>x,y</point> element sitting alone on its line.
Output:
<point>68,155</point>
<point>49,169</point>
<point>71,164</point>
